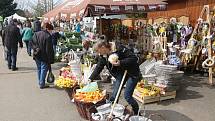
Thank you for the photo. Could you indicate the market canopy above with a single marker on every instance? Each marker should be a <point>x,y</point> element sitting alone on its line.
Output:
<point>74,8</point>
<point>61,10</point>
<point>96,7</point>
<point>18,17</point>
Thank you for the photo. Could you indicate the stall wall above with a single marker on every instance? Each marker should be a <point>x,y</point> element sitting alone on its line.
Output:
<point>177,8</point>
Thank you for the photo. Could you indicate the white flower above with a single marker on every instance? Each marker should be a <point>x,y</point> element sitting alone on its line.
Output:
<point>113,58</point>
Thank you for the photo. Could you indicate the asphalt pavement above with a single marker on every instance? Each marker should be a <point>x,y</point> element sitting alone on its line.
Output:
<point>22,100</point>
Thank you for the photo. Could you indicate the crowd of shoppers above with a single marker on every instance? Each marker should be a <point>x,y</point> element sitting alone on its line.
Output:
<point>38,37</point>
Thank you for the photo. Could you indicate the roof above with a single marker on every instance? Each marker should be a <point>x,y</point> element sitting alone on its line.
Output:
<point>62,8</point>
<point>84,4</point>
<point>77,7</point>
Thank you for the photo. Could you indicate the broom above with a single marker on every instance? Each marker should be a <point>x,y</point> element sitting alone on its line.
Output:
<point>118,94</point>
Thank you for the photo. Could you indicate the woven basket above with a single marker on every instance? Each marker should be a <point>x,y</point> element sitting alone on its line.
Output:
<point>70,91</point>
<point>83,107</point>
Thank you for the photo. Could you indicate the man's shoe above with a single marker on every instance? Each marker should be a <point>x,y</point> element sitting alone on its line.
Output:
<point>14,69</point>
<point>9,67</point>
<point>43,87</point>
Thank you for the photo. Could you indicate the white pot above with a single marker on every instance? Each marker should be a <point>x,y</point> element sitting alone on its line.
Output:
<point>138,118</point>
<point>104,109</point>
<point>118,110</point>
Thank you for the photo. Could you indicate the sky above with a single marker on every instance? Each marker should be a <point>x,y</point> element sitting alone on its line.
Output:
<point>26,4</point>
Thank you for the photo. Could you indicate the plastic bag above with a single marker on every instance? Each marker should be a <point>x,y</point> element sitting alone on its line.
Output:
<point>50,78</point>
<point>91,87</point>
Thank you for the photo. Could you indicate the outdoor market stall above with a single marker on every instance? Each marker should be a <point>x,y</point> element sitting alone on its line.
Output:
<point>169,45</point>
<point>18,17</point>
<point>103,7</point>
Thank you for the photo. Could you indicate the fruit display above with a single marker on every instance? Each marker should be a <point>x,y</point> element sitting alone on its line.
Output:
<point>66,68</point>
<point>65,72</point>
<point>65,82</point>
<point>92,97</point>
<point>147,90</point>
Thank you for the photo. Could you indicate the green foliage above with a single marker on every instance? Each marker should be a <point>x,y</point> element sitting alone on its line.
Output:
<point>58,58</point>
<point>72,43</point>
<point>70,34</point>
<point>90,58</point>
<point>75,47</point>
<point>7,8</point>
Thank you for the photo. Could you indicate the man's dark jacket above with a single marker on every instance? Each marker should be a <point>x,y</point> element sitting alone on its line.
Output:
<point>43,41</point>
<point>128,61</point>
<point>11,37</point>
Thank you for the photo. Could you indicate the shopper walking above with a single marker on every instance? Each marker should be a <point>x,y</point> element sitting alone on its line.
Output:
<point>27,34</point>
<point>37,25</point>
<point>127,61</point>
<point>43,53</point>
<point>1,28</point>
<point>11,37</point>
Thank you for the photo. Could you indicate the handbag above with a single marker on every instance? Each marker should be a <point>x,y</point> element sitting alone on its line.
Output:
<point>50,77</point>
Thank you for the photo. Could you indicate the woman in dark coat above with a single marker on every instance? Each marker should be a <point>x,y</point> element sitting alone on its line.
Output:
<point>43,53</point>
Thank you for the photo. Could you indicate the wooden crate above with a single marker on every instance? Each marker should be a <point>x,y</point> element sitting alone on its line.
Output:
<point>153,99</point>
<point>168,95</point>
<point>147,99</point>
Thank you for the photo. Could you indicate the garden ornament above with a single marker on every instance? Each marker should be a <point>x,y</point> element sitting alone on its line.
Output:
<point>186,51</point>
<point>208,62</point>
<point>179,26</point>
<point>204,51</point>
<point>200,20</point>
<point>192,42</point>
<point>155,26</point>
<point>173,20</point>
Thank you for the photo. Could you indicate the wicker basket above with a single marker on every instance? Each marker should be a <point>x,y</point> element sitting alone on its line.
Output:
<point>70,91</point>
<point>83,107</point>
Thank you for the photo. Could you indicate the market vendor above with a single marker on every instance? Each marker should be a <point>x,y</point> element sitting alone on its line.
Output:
<point>127,61</point>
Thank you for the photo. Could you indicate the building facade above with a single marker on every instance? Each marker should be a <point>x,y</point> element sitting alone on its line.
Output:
<point>178,8</point>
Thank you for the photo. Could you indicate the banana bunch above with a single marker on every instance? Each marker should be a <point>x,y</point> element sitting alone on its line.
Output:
<point>65,82</point>
<point>148,90</point>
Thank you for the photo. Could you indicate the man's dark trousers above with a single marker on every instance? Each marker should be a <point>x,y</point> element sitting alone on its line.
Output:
<point>12,57</point>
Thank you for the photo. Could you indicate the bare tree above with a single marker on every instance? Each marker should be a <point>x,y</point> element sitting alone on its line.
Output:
<point>41,7</point>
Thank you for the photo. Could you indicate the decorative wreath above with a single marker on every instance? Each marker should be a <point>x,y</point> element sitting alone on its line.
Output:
<point>208,63</point>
